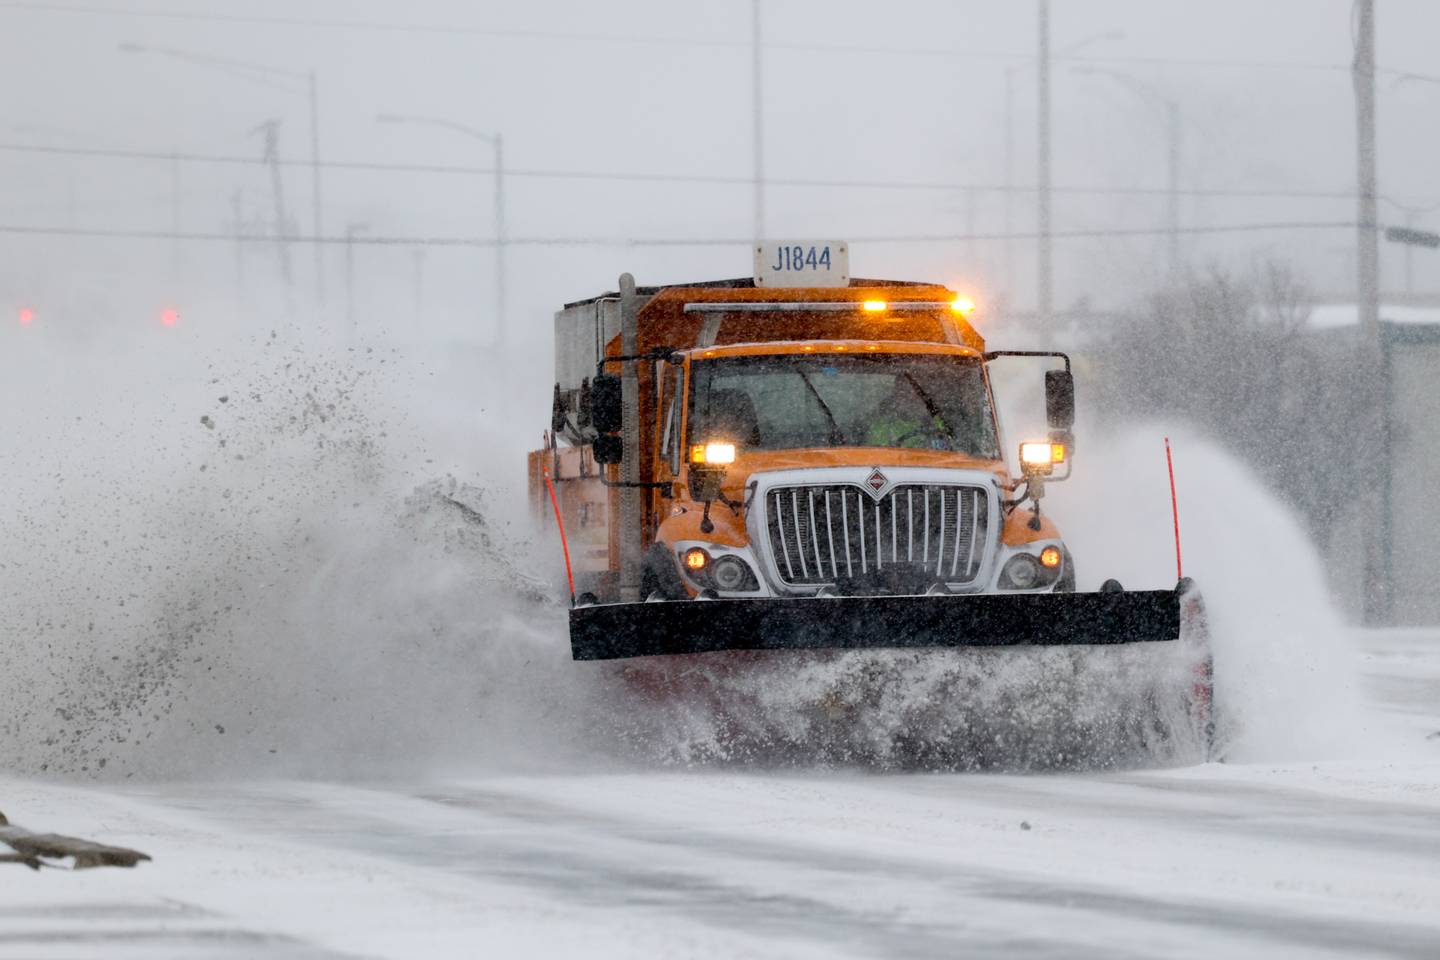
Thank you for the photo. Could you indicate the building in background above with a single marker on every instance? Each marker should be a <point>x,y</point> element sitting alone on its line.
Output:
<point>1410,533</point>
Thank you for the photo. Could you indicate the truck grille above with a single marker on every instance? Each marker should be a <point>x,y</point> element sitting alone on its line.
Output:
<point>819,534</point>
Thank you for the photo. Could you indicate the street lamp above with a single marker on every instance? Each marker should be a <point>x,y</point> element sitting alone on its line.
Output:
<point>1412,214</point>
<point>496,142</point>
<point>258,72</point>
<point>1043,142</point>
<point>1171,109</point>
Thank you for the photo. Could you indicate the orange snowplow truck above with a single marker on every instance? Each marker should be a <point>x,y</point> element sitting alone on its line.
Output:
<point>801,460</point>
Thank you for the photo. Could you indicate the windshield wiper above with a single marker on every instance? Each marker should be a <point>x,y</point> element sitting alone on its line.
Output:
<point>931,407</point>
<point>837,436</point>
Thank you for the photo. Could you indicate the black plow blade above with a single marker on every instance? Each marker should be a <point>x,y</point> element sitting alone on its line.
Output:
<point>620,630</point>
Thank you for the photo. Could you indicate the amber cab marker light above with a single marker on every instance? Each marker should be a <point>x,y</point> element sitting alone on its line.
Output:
<point>875,306</point>
<point>963,306</point>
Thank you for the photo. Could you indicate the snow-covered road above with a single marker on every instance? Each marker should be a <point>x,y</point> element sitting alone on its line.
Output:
<point>1337,858</point>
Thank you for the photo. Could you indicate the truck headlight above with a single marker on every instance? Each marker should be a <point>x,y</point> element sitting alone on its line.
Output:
<point>1025,571</point>
<point>725,572</point>
<point>1040,457</point>
<point>1021,573</point>
<point>732,573</point>
<point>719,454</point>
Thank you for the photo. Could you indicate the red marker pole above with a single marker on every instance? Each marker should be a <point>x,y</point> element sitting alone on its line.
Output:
<point>564,544</point>
<point>1174,510</point>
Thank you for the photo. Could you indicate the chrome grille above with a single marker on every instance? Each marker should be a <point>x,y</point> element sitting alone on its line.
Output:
<point>819,534</point>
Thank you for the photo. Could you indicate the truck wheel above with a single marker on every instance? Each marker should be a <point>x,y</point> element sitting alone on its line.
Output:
<point>659,579</point>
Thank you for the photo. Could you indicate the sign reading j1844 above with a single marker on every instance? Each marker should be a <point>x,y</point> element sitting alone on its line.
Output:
<point>802,263</point>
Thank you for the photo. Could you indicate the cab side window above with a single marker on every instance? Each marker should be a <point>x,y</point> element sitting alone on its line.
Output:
<point>670,441</point>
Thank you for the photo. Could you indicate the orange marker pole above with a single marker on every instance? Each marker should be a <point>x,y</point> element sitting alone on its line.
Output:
<point>564,544</point>
<point>1174,510</point>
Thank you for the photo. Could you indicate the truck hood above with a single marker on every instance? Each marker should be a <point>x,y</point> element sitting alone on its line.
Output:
<point>760,461</point>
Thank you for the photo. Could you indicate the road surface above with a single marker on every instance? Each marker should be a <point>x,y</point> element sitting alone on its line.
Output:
<point>1332,858</point>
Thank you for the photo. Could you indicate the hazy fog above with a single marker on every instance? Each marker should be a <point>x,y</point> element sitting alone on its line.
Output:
<point>915,95</point>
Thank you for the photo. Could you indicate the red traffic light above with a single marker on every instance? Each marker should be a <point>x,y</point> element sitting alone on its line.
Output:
<point>169,316</point>
<point>27,316</point>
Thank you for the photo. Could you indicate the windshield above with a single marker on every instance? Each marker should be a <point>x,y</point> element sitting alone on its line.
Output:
<point>789,401</point>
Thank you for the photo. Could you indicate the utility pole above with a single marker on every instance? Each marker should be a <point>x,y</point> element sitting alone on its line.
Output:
<point>1010,184</point>
<point>315,188</point>
<point>261,73</point>
<point>757,109</point>
<point>1044,264</point>
<point>1011,187</point>
<point>271,130</point>
<point>1376,524</point>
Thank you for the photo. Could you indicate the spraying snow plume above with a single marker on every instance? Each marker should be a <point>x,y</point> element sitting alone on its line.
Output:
<point>1285,673</point>
<point>227,576</point>
<point>968,709</point>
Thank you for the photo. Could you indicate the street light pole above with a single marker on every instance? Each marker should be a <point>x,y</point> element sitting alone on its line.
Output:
<point>258,72</point>
<point>1173,130</point>
<point>271,131</point>
<point>1376,523</point>
<point>1044,278</point>
<point>757,111</point>
<point>315,189</point>
<point>1010,184</point>
<point>497,142</point>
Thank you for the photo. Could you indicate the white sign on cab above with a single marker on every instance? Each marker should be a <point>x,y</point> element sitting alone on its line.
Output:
<point>802,263</point>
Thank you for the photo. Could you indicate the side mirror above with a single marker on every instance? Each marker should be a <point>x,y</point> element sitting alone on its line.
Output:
<point>605,405</point>
<point>1060,399</point>
<point>608,449</point>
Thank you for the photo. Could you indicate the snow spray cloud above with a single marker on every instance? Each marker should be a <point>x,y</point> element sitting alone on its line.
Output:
<point>975,709</point>
<point>1286,678</point>
<point>220,572</point>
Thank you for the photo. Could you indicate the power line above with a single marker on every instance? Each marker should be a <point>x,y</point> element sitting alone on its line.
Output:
<point>382,26</point>
<point>372,240</point>
<point>373,166</point>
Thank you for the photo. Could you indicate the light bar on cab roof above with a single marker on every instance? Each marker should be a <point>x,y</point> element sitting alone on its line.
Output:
<point>797,306</point>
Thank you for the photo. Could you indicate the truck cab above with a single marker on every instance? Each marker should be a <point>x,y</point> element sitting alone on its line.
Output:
<point>754,440</point>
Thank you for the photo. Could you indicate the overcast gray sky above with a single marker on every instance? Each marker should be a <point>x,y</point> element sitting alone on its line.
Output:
<point>1263,89</point>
